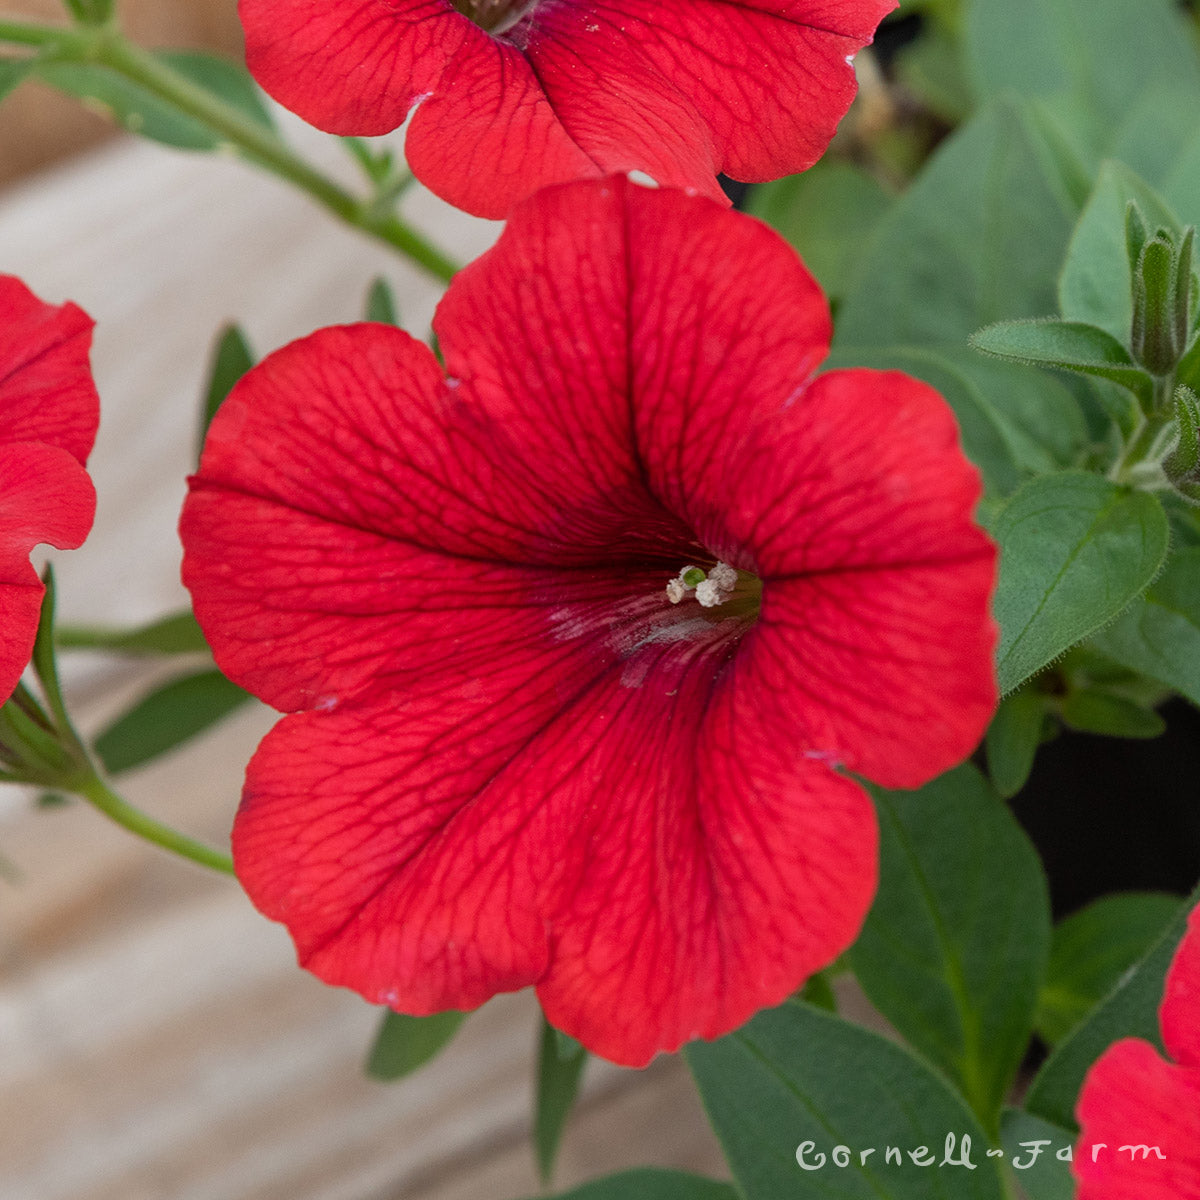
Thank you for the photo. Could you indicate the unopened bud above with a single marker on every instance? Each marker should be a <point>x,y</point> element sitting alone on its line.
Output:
<point>1182,465</point>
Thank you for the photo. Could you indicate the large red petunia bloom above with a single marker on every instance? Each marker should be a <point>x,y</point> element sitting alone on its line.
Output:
<point>48,416</point>
<point>1134,1107</point>
<point>518,94</point>
<point>513,759</point>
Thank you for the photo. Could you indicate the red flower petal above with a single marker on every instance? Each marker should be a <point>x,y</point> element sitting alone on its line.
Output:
<point>883,595</point>
<point>45,496</point>
<point>1131,1098</point>
<point>487,130</point>
<point>48,416</point>
<point>1180,1012</point>
<point>713,875</point>
<point>523,763</point>
<point>309,527</point>
<point>46,389</point>
<point>355,67</point>
<point>601,300</point>
<point>681,92</point>
<point>687,91</point>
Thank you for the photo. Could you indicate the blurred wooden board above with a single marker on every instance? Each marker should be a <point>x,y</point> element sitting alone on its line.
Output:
<point>157,1041</point>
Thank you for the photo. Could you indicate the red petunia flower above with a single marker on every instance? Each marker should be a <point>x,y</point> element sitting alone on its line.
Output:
<point>576,637</point>
<point>48,416</point>
<point>1139,1115</point>
<point>517,94</point>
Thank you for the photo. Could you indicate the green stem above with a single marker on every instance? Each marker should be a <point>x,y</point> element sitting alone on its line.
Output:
<point>1141,447</point>
<point>93,789</point>
<point>108,48</point>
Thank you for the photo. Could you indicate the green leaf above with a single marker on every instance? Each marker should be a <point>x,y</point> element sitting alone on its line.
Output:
<point>1095,286</point>
<point>177,634</point>
<point>956,973</point>
<point>142,113</point>
<point>1074,551</point>
<point>1069,346</point>
<point>798,1077</point>
<point>1041,1173</point>
<point>167,717</point>
<point>1013,421</point>
<point>1102,54</point>
<point>1013,739</point>
<point>12,72</point>
<point>971,241</point>
<point>651,1183</point>
<point>1111,716</point>
<point>231,359</point>
<point>405,1043</point>
<point>1091,950</point>
<point>1130,1010</point>
<point>1159,635</point>
<point>381,305</point>
<point>1156,136</point>
<point>224,78</point>
<point>828,214</point>
<point>1181,183</point>
<point>560,1067</point>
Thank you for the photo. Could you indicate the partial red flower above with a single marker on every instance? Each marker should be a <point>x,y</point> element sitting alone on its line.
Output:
<point>48,416</point>
<point>1140,1115</point>
<point>517,94</point>
<point>524,747</point>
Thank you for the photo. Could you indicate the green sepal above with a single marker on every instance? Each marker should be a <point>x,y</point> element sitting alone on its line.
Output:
<point>376,167</point>
<point>381,304</point>
<point>560,1069</point>
<point>30,746</point>
<point>1136,234</point>
<point>231,359</point>
<point>1183,463</point>
<point>1184,284</point>
<point>404,1043</point>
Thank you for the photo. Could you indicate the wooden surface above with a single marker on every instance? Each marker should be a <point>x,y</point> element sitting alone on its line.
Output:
<point>157,1041</point>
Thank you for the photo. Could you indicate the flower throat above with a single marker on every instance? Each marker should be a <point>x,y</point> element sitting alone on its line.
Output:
<point>493,16</point>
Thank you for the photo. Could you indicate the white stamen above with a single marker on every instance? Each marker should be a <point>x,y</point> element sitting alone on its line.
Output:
<point>712,588</point>
<point>724,576</point>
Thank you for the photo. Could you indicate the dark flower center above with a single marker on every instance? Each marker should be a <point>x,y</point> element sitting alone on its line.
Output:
<point>494,16</point>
